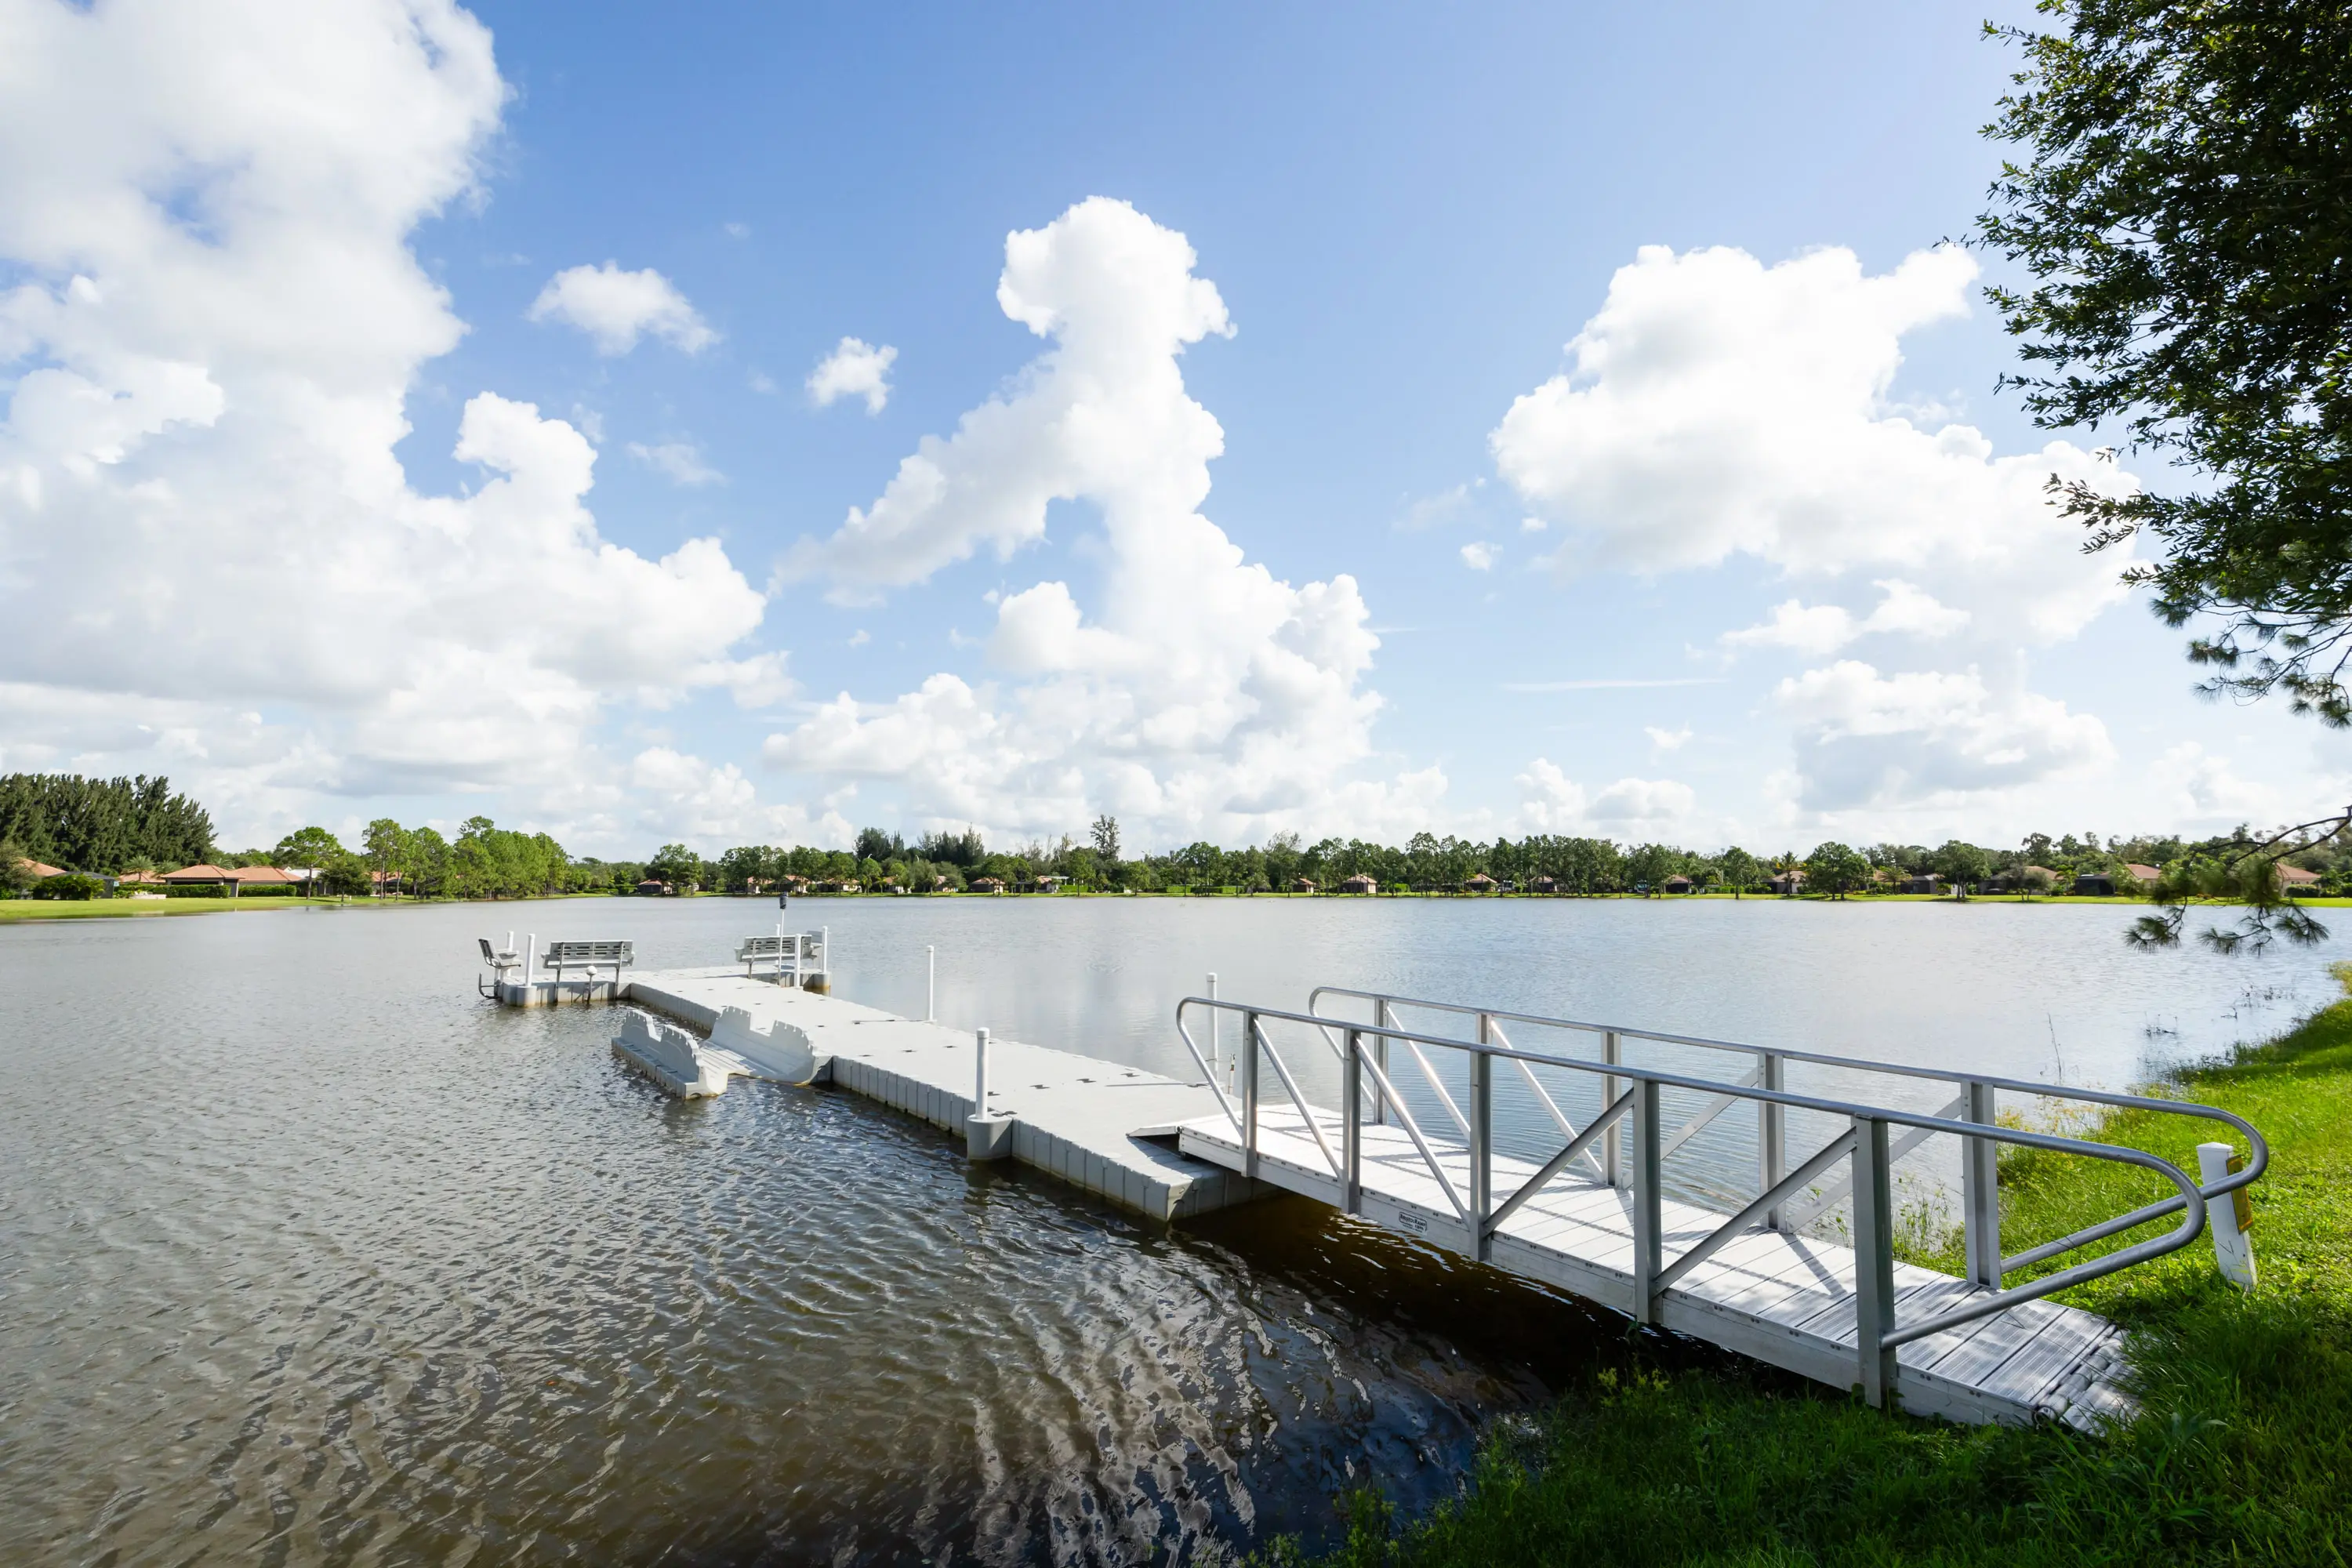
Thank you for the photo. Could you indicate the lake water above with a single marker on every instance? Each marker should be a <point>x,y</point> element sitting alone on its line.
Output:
<point>309,1255</point>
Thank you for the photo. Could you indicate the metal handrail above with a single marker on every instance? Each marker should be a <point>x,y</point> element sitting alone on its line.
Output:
<point>2024,1085</point>
<point>1872,1302</point>
<point>1995,1266</point>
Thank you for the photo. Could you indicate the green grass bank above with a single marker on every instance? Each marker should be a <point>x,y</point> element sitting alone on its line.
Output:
<point>2242,1454</point>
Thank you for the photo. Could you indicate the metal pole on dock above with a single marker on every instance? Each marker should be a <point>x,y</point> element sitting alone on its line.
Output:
<point>985,1137</point>
<point>530,967</point>
<point>931,988</point>
<point>1216,1026</point>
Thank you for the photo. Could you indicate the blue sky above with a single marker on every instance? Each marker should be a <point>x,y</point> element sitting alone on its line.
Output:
<point>1404,215</point>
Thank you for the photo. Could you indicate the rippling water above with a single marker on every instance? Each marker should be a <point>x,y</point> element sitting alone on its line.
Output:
<point>308,1256</point>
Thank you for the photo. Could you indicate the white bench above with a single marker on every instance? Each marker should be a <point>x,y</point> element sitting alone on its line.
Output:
<point>591,956</point>
<point>805,948</point>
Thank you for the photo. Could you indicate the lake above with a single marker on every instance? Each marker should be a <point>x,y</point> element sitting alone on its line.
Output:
<point>309,1255</point>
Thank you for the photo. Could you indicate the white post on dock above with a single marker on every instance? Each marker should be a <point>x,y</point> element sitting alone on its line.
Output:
<point>2231,1250</point>
<point>1216,1022</point>
<point>985,1137</point>
<point>932,985</point>
<point>530,966</point>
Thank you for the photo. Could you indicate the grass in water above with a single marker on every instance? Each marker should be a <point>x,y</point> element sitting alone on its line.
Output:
<point>2241,1452</point>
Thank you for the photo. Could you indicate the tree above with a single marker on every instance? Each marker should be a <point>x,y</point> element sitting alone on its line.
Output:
<point>1740,868</point>
<point>308,848</point>
<point>16,869</point>
<point>1106,837</point>
<point>1836,869</point>
<point>2182,207</point>
<point>677,866</point>
<point>1962,865</point>
<point>1281,859</point>
<point>387,846</point>
<point>102,825</point>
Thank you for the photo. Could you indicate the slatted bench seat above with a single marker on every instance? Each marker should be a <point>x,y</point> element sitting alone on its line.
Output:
<point>803,950</point>
<point>591,956</point>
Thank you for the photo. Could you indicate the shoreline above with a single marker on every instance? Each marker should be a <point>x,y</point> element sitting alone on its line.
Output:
<point>20,911</point>
<point>2236,1456</point>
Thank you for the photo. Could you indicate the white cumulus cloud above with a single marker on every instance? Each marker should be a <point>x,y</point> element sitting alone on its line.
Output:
<point>1867,739</point>
<point>616,308</point>
<point>211,559</point>
<point>1479,556</point>
<point>1101,415</point>
<point>1824,628</point>
<point>1716,406</point>
<point>1551,801</point>
<point>1196,695</point>
<point>854,369</point>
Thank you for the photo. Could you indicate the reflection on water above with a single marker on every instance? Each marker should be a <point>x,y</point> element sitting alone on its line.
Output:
<point>310,1257</point>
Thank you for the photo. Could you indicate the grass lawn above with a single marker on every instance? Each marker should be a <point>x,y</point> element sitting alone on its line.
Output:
<point>14,909</point>
<point>2242,1454</point>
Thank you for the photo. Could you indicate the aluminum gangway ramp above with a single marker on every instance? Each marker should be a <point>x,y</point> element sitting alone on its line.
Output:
<point>1597,1219</point>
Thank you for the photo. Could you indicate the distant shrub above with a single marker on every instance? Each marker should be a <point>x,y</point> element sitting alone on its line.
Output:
<point>72,885</point>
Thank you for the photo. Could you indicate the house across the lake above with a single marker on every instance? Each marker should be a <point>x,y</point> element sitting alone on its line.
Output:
<point>1787,882</point>
<point>1362,882</point>
<point>1678,883</point>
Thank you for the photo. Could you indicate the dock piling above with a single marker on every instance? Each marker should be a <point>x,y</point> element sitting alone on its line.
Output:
<point>985,1137</point>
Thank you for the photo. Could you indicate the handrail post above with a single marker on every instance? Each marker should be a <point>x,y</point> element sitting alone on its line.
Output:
<point>1874,1263</point>
<point>1771,1132</point>
<point>1352,1127</point>
<point>1644,1171</point>
<point>1216,1031</point>
<point>1383,1016</point>
<point>931,983</point>
<point>1980,1192</point>
<point>1249,1095</point>
<point>1612,1142</point>
<point>1482,1141</point>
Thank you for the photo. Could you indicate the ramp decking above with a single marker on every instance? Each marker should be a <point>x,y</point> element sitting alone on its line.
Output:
<point>1783,1299</point>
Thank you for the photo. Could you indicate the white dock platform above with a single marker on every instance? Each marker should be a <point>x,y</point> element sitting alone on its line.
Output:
<point>1783,1299</point>
<point>1107,1128</point>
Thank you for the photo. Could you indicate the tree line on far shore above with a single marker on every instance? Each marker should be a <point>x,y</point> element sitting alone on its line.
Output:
<point>112,827</point>
<point>941,862</point>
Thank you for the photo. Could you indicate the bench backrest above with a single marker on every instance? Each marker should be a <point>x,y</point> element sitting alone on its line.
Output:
<point>810,945</point>
<point>592,953</point>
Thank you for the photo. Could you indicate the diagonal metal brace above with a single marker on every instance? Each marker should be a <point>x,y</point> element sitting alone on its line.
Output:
<point>1560,1162</point>
<point>1836,1149</point>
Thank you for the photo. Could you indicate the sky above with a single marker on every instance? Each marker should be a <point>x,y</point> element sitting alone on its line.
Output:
<point>746,425</point>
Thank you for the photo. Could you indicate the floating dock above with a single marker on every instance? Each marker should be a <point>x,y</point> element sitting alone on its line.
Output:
<point>1596,1220</point>
<point>1109,1129</point>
